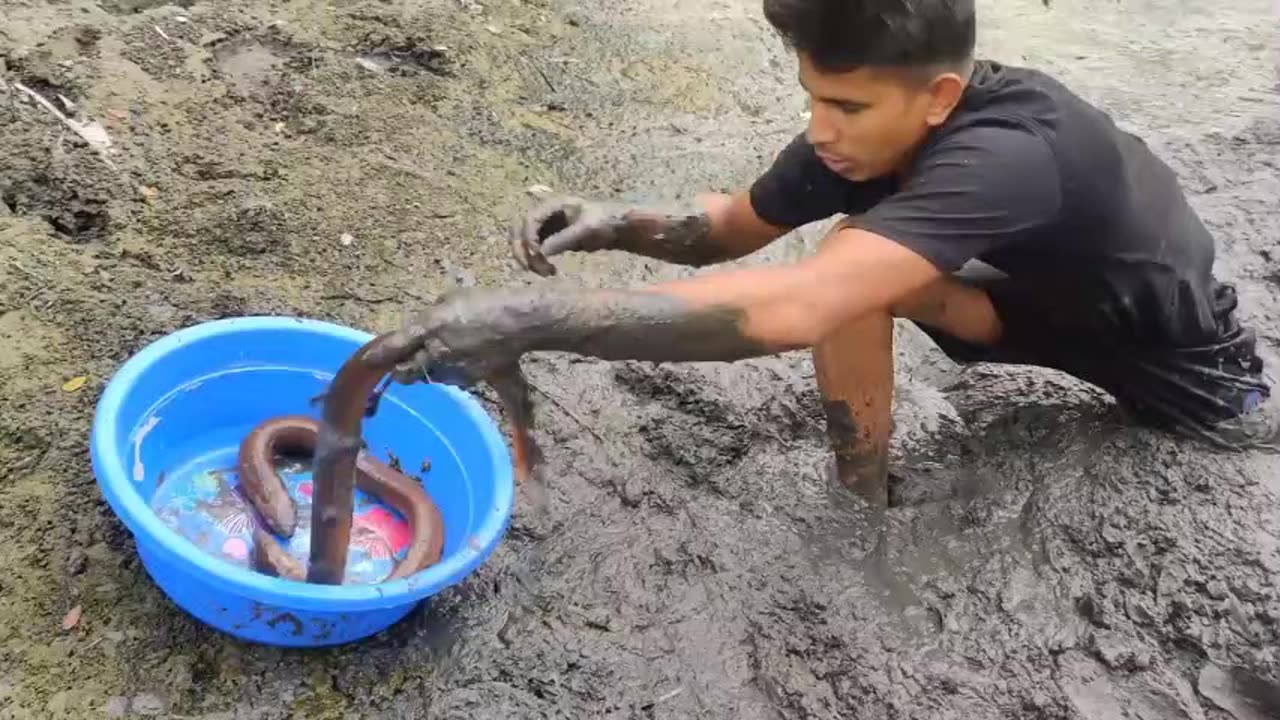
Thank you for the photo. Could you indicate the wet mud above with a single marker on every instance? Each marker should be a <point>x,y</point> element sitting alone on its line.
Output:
<point>351,161</point>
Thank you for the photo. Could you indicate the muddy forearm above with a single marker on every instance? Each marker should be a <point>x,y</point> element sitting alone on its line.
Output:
<point>682,236</point>
<point>609,324</point>
<point>703,232</point>
<point>480,334</point>
<point>627,326</point>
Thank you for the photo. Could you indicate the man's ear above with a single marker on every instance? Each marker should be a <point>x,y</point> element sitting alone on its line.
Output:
<point>945,91</point>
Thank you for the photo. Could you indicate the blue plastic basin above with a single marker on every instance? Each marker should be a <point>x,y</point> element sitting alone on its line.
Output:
<point>172,418</point>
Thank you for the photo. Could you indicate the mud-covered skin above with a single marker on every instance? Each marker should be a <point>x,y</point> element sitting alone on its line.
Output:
<point>859,466</point>
<point>473,335</point>
<point>299,434</point>
<point>679,235</point>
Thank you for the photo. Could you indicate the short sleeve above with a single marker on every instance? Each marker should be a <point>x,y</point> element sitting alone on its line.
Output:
<point>975,191</point>
<point>799,189</point>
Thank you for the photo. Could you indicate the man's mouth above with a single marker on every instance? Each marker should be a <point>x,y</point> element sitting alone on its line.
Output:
<point>834,163</point>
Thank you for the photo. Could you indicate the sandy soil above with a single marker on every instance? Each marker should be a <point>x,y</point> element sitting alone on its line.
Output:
<point>1047,562</point>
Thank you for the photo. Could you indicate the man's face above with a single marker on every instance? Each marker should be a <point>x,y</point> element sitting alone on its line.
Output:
<point>867,123</point>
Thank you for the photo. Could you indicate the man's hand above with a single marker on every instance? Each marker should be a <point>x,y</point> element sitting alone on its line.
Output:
<point>465,338</point>
<point>561,225</point>
<point>713,228</point>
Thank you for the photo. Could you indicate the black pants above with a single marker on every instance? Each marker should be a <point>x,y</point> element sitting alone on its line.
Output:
<point>1189,390</point>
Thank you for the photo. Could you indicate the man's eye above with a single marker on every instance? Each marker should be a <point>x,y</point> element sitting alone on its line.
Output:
<point>851,108</point>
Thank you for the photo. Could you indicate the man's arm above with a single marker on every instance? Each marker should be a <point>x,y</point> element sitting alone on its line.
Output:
<point>716,317</point>
<point>713,228</point>
<point>977,191</point>
<point>795,306</point>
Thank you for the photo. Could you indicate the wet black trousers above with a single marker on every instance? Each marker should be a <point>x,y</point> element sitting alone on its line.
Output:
<point>1188,390</point>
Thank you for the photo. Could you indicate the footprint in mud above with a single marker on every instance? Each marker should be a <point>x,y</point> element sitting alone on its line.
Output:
<point>65,209</point>
<point>72,203</point>
<point>251,65</point>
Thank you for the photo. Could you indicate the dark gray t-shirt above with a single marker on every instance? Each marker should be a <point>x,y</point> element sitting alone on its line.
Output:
<point>1087,223</point>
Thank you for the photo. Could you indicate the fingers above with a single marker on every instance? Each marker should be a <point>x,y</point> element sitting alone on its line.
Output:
<point>528,255</point>
<point>572,237</point>
<point>552,228</point>
<point>412,371</point>
<point>527,237</point>
<point>426,370</point>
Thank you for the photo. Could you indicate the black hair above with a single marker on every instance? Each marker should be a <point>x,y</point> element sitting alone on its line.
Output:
<point>844,35</point>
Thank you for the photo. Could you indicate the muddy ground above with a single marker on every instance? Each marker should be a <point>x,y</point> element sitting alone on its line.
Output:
<point>351,160</point>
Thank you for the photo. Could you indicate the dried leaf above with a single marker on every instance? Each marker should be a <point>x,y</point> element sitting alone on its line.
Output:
<point>75,383</point>
<point>539,192</point>
<point>94,134</point>
<point>72,618</point>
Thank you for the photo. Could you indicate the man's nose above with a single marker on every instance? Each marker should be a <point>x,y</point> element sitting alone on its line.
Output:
<point>821,130</point>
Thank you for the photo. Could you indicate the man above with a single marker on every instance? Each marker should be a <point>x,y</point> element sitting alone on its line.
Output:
<point>936,160</point>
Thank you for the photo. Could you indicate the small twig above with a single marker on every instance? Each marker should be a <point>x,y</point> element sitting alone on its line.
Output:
<point>526,61</point>
<point>162,33</point>
<point>38,292</point>
<point>668,696</point>
<point>545,79</point>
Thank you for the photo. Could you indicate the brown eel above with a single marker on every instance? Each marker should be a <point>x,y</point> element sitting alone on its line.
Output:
<point>340,463</point>
<point>298,434</point>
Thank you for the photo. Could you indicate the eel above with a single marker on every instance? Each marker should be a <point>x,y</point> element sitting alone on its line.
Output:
<point>299,434</point>
<point>340,463</point>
